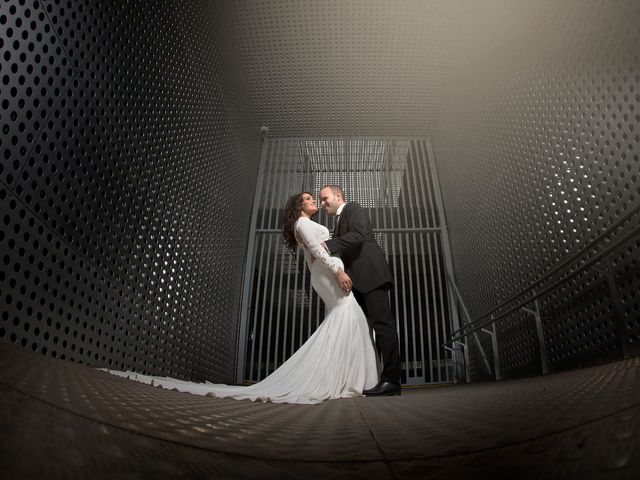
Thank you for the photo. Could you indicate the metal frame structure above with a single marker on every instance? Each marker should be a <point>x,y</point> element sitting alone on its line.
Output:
<point>396,181</point>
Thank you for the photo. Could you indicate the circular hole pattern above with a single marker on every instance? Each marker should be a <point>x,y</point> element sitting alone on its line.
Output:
<point>123,167</point>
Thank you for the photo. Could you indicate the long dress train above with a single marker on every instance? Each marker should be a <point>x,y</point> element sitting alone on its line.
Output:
<point>337,361</point>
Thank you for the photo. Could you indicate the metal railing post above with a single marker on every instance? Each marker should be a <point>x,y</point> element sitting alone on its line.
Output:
<point>541,342</point>
<point>494,345</point>
<point>454,287</point>
<point>465,358</point>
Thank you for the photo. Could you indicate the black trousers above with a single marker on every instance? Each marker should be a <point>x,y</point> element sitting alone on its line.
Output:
<point>378,311</point>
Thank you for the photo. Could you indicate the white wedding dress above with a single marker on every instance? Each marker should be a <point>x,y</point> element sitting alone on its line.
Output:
<point>337,361</point>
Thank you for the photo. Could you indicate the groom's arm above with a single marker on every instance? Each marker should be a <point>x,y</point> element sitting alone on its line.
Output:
<point>359,225</point>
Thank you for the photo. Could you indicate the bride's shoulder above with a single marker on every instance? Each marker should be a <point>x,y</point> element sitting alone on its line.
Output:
<point>301,221</point>
<point>306,223</point>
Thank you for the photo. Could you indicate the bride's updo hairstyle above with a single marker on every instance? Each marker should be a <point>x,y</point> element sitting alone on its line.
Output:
<point>290,215</point>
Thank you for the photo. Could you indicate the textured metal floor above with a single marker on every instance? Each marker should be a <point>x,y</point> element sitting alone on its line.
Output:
<point>63,420</point>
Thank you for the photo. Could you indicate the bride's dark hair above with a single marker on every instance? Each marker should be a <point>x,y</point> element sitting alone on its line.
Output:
<point>290,215</point>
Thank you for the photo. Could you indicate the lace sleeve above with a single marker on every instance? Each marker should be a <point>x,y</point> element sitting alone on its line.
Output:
<point>305,234</point>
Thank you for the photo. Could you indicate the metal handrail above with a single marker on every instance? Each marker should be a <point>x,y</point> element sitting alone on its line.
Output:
<point>465,330</point>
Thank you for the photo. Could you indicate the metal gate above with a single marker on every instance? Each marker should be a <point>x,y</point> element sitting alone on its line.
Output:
<point>395,181</point>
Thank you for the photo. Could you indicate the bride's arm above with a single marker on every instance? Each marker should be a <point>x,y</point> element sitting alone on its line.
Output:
<point>305,235</point>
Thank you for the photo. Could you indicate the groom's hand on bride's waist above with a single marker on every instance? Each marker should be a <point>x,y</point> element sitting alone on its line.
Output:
<point>344,281</point>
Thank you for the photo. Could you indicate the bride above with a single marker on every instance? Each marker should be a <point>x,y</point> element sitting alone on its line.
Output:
<point>337,361</point>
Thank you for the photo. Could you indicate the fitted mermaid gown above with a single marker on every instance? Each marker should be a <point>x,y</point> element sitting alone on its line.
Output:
<point>337,361</point>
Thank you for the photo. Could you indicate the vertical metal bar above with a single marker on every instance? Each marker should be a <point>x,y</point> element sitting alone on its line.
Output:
<point>303,292</point>
<point>310,313</point>
<point>286,310</point>
<point>432,252</point>
<point>418,254</point>
<point>421,186</point>
<point>257,338</point>
<point>410,253</point>
<point>385,199</point>
<point>433,327</point>
<point>343,149</point>
<point>395,282</point>
<point>429,183</point>
<point>408,274</point>
<point>404,263</point>
<point>359,149</point>
<point>263,310</point>
<point>440,290</point>
<point>318,309</point>
<point>308,293</point>
<point>272,252</point>
<point>290,178</point>
<point>296,305</point>
<point>398,264</point>
<point>300,166</point>
<point>338,150</point>
<point>455,323</point>
<point>392,241</point>
<point>279,250</point>
<point>359,176</point>
<point>268,246</point>
<point>247,284</point>
<point>347,162</point>
<point>436,286</point>
<point>427,313</point>
<point>273,185</point>
<point>364,179</point>
<point>418,338</point>
<point>265,186</point>
<point>332,156</point>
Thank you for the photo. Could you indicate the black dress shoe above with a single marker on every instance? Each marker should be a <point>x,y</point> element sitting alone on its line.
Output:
<point>373,389</point>
<point>383,389</point>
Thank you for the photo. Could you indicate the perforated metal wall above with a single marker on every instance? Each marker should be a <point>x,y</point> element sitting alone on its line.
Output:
<point>128,141</point>
<point>355,67</point>
<point>538,153</point>
<point>129,155</point>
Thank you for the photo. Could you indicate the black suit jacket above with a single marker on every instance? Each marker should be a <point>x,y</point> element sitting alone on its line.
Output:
<point>363,258</point>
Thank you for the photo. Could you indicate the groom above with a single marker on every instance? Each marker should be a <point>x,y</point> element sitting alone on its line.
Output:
<point>364,261</point>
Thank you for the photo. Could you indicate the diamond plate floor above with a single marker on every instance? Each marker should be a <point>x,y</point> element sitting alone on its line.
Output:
<point>68,421</point>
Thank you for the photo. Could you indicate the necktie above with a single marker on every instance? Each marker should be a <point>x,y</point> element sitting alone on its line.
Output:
<point>335,226</point>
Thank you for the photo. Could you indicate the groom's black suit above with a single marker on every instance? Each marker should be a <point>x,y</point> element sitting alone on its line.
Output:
<point>370,274</point>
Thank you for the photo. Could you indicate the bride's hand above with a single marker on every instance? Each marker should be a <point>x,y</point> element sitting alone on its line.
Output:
<point>344,281</point>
